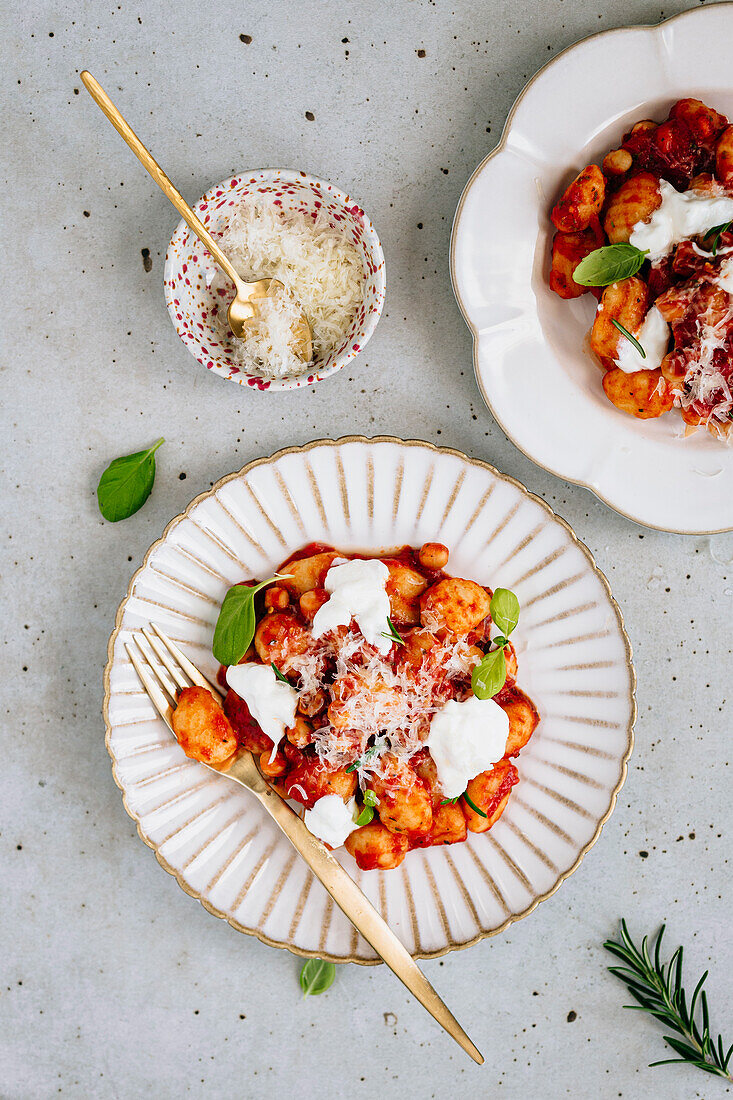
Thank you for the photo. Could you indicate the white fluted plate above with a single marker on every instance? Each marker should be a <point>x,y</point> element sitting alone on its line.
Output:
<point>575,663</point>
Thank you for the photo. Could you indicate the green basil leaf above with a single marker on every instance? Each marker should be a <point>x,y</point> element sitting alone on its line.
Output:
<point>489,675</point>
<point>235,627</point>
<point>609,264</point>
<point>127,483</point>
<point>316,976</point>
<point>370,799</point>
<point>500,640</point>
<point>365,816</point>
<point>504,610</point>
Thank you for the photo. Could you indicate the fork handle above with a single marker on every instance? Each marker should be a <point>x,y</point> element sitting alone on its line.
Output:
<point>360,912</point>
<point>100,97</point>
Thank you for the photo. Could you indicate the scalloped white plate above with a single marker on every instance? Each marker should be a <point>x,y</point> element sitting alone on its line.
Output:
<point>575,662</point>
<point>531,356</point>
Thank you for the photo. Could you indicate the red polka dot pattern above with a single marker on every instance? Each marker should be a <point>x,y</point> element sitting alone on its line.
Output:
<point>195,308</point>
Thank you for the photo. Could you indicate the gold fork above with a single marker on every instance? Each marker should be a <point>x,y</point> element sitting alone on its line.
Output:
<point>241,310</point>
<point>162,684</point>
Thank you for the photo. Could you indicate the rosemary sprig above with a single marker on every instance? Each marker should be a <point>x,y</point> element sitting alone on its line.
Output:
<point>361,761</point>
<point>469,800</point>
<point>716,233</point>
<point>657,987</point>
<point>625,332</point>
<point>392,634</point>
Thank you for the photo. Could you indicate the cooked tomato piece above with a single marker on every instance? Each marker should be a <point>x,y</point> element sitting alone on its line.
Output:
<point>247,730</point>
<point>310,779</point>
<point>669,150</point>
<point>704,123</point>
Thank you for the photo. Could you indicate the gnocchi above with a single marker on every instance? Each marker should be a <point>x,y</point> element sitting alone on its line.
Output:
<point>405,585</point>
<point>636,199</point>
<point>362,708</point>
<point>308,572</point>
<point>489,793</point>
<point>643,394</point>
<point>402,799</point>
<point>581,201</point>
<point>625,302</point>
<point>202,728</point>
<point>568,249</point>
<point>375,848</point>
<point>455,604</point>
<point>523,719</point>
<point>663,328</point>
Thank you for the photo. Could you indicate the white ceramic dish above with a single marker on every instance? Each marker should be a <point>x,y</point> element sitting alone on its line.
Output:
<point>575,663</point>
<point>194,307</point>
<point>531,356</point>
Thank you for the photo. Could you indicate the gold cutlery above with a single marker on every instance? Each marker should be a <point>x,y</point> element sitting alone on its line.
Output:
<point>241,309</point>
<point>162,682</point>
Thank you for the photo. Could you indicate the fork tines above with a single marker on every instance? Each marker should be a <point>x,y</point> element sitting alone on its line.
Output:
<point>162,681</point>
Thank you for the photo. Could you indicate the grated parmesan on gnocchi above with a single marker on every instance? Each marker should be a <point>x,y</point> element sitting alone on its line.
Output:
<point>377,687</point>
<point>321,273</point>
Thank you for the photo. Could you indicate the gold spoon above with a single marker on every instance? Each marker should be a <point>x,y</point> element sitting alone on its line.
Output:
<point>241,309</point>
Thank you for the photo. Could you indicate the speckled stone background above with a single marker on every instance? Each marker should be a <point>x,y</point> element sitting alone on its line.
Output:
<point>113,983</point>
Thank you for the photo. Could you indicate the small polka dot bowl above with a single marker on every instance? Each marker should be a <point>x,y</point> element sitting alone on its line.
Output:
<point>198,310</point>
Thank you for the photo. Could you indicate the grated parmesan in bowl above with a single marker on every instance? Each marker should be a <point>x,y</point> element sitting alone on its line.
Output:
<point>320,270</point>
<point>315,240</point>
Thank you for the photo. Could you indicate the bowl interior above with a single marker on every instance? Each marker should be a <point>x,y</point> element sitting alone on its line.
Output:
<point>531,349</point>
<point>198,311</point>
<point>566,324</point>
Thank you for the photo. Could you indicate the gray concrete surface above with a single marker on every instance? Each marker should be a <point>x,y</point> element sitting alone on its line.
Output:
<point>114,983</point>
